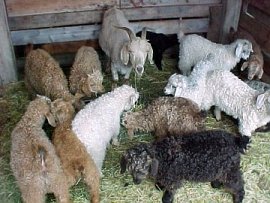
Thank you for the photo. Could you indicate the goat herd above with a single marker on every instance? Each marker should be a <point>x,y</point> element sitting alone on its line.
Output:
<point>183,149</point>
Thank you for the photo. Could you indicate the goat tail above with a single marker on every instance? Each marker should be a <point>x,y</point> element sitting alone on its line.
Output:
<point>242,142</point>
<point>41,154</point>
<point>181,33</point>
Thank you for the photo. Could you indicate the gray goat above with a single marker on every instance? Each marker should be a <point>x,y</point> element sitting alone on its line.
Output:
<point>125,50</point>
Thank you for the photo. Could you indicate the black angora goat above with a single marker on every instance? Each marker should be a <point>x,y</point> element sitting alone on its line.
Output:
<point>207,156</point>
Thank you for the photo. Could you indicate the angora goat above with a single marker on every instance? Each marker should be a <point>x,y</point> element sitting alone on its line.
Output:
<point>192,87</point>
<point>75,160</point>
<point>206,156</point>
<point>34,162</point>
<point>44,76</point>
<point>194,48</point>
<point>166,115</point>
<point>255,62</point>
<point>233,96</point>
<point>85,76</point>
<point>125,50</point>
<point>99,121</point>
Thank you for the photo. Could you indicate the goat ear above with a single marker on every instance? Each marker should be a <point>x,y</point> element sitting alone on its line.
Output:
<point>178,91</point>
<point>124,54</point>
<point>51,119</point>
<point>133,99</point>
<point>260,101</point>
<point>238,50</point>
<point>123,164</point>
<point>150,55</point>
<point>154,167</point>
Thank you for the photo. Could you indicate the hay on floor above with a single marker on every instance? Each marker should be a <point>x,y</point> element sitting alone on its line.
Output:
<point>119,188</point>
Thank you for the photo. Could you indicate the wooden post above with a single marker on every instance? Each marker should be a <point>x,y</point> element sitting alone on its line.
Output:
<point>231,15</point>
<point>8,71</point>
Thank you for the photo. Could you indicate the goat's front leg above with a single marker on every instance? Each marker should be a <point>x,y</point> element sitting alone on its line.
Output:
<point>127,75</point>
<point>115,76</point>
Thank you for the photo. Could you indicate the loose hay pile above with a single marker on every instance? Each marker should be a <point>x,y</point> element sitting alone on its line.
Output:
<point>118,188</point>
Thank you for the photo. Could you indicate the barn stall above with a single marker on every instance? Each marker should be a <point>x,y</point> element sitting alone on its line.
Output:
<point>61,27</point>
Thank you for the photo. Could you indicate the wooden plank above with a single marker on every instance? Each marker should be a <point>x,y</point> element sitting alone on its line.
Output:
<point>89,17</point>
<point>173,26</point>
<point>259,15</point>
<point>260,32</point>
<point>34,7</point>
<point>231,13</point>
<point>147,3</point>
<point>52,35</point>
<point>8,71</point>
<point>166,12</point>
<point>76,33</point>
<point>263,5</point>
<point>214,24</point>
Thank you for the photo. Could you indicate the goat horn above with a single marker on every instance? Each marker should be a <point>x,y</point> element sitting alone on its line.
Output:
<point>144,33</point>
<point>129,31</point>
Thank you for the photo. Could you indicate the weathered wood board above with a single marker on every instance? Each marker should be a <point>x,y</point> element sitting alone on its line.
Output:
<point>8,70</point>
<point>85,32</point>
<point>95,16</point>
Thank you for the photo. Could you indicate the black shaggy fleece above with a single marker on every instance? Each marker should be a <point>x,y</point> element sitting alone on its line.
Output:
<point>207,156</point>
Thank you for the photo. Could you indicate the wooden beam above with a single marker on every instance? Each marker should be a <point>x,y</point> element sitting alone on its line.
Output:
<point>214,24</point>
<point>36,7</point>
<point>260,32</point>
<point>8,71</point>
<point>260,16</point>
<point>86,32</point>
<point>91,17</point>
<point>52,35</point>
<point>263,5</point>
<point>147,3</point>
<point>231,14</point>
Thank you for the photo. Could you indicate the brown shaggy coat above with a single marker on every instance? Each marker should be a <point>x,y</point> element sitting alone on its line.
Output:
<point>76,162</point>
<point>164,116</point>
<point>44,76</point>
<point>85,75</point>
<point>34,162</point>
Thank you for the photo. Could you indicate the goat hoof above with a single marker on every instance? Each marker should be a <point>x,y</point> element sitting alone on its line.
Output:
<point>216,184</point>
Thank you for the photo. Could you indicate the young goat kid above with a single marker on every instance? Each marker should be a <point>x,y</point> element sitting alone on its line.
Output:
<point>85,76</point>
<point>99,121</point>
<point>44,76</point>
<point>34,162</point>
<point>166,115</point>
<point>75,160</point>
<point>207,156</point>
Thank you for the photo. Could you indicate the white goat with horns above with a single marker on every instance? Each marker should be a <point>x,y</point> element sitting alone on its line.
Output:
<point>125,50</point>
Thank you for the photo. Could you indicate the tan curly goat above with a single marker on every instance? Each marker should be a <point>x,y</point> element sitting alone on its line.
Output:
<point>85,75</point>
<point>34,162</point>
<point>44,76</point>
<point>76,162</point>
<point>164,116</point>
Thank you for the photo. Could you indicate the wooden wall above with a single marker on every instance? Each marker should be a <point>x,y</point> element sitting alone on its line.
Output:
<point>80,20</point>
<point>56,21</point>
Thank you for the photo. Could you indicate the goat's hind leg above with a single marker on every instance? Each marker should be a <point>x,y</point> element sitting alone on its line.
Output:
<point>92,179</point>
<point>33,194</point>
<point>235,185</point>
<point>61,191</point>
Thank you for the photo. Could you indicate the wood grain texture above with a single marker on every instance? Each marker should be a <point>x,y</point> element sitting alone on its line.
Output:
<point>7,58</point>
<point>86,32</point>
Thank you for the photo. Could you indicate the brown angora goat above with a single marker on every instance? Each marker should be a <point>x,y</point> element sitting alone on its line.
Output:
<point>76,162</point>
<point>166,115</point>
